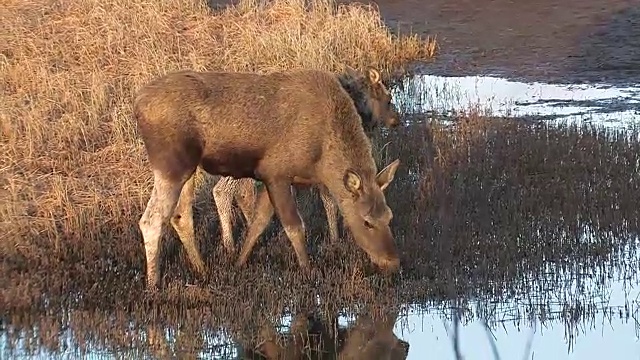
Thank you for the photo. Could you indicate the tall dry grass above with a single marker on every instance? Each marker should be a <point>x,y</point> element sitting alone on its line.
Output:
<point>72,170</point>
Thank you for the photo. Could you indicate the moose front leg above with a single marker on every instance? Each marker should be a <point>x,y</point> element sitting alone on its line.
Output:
<point>163,200</point>
<point>280,198</point>
<point>331,209</point>
<point>182,222</point>
<point>284,203</point>
<point>245,197</point>
<point>223,193</point>
<point>262,215</point>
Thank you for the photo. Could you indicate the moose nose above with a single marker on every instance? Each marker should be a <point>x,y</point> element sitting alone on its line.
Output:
<point>405,346</point>
<point>390,265</point>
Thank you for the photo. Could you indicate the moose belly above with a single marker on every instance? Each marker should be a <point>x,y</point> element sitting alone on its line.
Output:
<point>303,182</point>
<point>237,164</point>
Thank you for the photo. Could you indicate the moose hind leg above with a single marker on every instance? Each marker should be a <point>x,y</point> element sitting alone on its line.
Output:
<point>284,202</point>
<point>164,197</point>
<point>223,194</point>
<point>331,209</point>
<point>262,215</point>
<point>182,222</point>
<point>246,198</point>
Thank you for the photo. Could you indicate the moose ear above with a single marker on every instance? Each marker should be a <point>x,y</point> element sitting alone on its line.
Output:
<point>374,76</point>
<point>353,182</point>
<point>385,176</point>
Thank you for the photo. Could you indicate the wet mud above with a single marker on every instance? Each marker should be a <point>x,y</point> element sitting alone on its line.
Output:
<point>542,40</point>
<point>486,210</point>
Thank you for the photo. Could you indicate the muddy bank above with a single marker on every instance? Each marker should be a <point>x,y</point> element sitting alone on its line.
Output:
<point>541,40</point>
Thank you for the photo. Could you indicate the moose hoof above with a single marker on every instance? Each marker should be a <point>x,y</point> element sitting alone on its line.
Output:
<point>305,270</point>
<point>229,246</point>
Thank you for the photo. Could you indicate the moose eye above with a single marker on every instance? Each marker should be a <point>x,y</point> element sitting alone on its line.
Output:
<point>368,225</point>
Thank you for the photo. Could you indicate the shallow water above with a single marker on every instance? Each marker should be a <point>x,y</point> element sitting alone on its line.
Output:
<point>600,104</point>
<point>607,327</point>
<point>602,322</point>
<point>612,326</point>
<point>539,242</point>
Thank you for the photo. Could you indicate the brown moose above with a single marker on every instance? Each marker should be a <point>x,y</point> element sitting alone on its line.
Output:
<point>283,128</point>
<point>373,103</point>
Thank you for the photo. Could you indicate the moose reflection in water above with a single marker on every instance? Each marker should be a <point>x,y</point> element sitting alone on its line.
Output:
<point>296,127</point>
<point>370,337</point>
<point>310,336</point>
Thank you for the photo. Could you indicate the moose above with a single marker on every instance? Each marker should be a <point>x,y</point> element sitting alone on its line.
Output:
<point>373,103</point>
<point>282,128</point>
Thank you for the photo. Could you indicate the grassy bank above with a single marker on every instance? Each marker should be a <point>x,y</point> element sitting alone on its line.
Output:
<point>72,170</point>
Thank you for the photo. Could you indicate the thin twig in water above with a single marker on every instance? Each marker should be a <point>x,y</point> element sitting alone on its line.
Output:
<point>456,338</point>
<point>492,340</point>
<point>527,349</point>
<point>456,331</point>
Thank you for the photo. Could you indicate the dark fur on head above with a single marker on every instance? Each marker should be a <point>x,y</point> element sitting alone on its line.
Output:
<point>371,98</point>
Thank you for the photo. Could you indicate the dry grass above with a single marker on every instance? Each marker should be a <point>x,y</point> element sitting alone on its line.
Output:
<point>72,170</point>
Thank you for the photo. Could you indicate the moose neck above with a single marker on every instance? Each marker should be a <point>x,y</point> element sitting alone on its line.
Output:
<point>347,148</point>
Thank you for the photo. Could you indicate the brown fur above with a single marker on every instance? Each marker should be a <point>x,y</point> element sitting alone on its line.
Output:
<point>373,103</point>
<point>274,128</point>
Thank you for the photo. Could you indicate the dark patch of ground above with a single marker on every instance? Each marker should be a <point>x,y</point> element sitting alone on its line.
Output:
<point>565,41</point>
